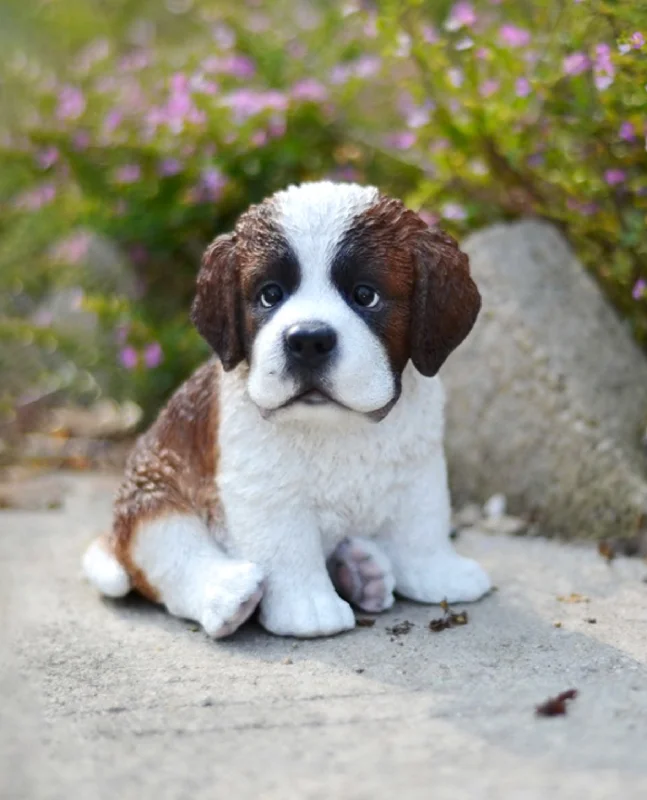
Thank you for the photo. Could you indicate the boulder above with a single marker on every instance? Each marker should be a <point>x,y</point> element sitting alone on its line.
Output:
<point>547,397</point>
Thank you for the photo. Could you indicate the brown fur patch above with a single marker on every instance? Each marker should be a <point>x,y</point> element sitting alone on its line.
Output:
<point>171,469</point>
<point>379,241</point>
<point>432,302</point>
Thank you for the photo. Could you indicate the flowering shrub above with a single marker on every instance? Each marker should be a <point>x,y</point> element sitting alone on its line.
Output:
<point>155,132</point>
<point>532,108</point>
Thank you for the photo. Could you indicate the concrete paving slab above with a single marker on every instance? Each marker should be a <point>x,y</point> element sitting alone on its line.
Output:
<point>116,699</point>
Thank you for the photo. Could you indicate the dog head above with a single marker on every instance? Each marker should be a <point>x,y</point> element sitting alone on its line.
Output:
<point>326,291</point>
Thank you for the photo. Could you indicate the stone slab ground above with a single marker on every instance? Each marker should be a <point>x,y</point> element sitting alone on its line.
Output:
<point>118,700</point>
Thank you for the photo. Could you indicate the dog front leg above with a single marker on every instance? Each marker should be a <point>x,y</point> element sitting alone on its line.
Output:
<point>425,565</point>
<point>299,598</point>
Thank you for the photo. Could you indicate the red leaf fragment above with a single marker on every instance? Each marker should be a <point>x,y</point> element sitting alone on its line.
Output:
<point>556,706</point>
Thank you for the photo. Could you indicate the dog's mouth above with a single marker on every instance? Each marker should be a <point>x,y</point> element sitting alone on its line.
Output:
<point>316,398</point>
<point>312,397</point>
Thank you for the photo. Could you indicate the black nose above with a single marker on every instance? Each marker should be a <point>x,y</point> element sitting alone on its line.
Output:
<point>310,343</point>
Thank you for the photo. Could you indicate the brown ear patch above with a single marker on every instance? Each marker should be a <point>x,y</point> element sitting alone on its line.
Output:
<point>445,302</point>
<point>432,300</point>
<point>216,311</point>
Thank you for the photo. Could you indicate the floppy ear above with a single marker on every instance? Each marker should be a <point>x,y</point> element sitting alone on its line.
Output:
<point>216,311</point>
<point>445,301</point>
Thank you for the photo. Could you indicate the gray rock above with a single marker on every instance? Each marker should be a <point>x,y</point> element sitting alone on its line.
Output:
<point>547,397</point>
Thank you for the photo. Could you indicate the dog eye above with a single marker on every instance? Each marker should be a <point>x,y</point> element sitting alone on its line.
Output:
<point>366,297</point>
<point>271,295</point>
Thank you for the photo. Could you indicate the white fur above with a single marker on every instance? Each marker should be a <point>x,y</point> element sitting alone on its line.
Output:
<point>313,218</point>
<point>194,577</point>
<point>292,491</point>
<point>104,571</point>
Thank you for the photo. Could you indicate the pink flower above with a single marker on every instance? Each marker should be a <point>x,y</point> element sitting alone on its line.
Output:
<point>585,209</point>
<point>512,36</point>
<point>74,249</point>
<point>637,40</point>
<point>246,103</point>
<point>347,173</point>
<point>47,157</point>
<point>129,173</point>
<point>223,36</point>
<point>453,211</point>
<point>366,66</point>
<point>153,355</point>
<point>419,116</point>
<point>462,15</point>
<point>401,141</point>
<point>170,166</point>
<point>370,28</point>
<point>236,65</point>
<point>603,68</point>
<point>112,121</point>
<point>430,219</point>
<point>35,199</point>
<point>522,87</point>
<point>259,138</point>
<point>429,34</point>
<point>613,177</point>
<point>627,132</point>
<point>71,103</point>
<point>128,357</point>
<point>455,76</point>
<point>135,61</point>
<point>277,127</point>
<point>212,183</point>
<point>639,290</point>
<point>488,88</point>
<point>309,89</point>
<point>202,85</point>
<point>121,332</point>
<point>575,64</point>
<point>81,140</point>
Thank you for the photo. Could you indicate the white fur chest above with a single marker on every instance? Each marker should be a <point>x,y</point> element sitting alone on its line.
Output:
<point>343,472</point>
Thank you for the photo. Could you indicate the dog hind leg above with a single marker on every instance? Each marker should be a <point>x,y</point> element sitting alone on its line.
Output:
<point>173,559</point>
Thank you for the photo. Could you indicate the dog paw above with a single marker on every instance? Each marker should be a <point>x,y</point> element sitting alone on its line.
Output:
<point>362,574</point>
<point>306,614</point>
<point>232,598</point>
<point>443,577</point>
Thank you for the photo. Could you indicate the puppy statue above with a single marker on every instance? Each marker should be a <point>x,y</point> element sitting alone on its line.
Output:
<point>303,468</point>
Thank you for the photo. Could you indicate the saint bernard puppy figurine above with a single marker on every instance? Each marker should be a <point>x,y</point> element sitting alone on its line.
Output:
<point>302,468</point>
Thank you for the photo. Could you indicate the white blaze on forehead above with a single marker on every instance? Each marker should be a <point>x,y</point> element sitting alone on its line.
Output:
<point>315,216</point>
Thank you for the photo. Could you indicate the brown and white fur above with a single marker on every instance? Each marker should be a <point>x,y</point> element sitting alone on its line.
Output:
<point>304,468</point>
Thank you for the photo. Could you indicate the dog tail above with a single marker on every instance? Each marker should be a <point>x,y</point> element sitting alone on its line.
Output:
<point>104,572</point>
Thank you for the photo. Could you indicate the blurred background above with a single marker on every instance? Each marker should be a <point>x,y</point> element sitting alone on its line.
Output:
<point>134,131</point>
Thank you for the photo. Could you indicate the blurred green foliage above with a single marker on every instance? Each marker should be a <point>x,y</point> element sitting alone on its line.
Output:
<point>134,131</point>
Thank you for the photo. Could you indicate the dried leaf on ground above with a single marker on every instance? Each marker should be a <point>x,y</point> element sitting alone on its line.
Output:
<point>573,597</point>
<point>364,622</point>
<point>556,706</point>
<point>607,550</point>
<point>451,619</point>
<point>401,628</point>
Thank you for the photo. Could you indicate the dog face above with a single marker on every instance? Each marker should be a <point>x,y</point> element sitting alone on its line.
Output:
<point>327,291</point>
